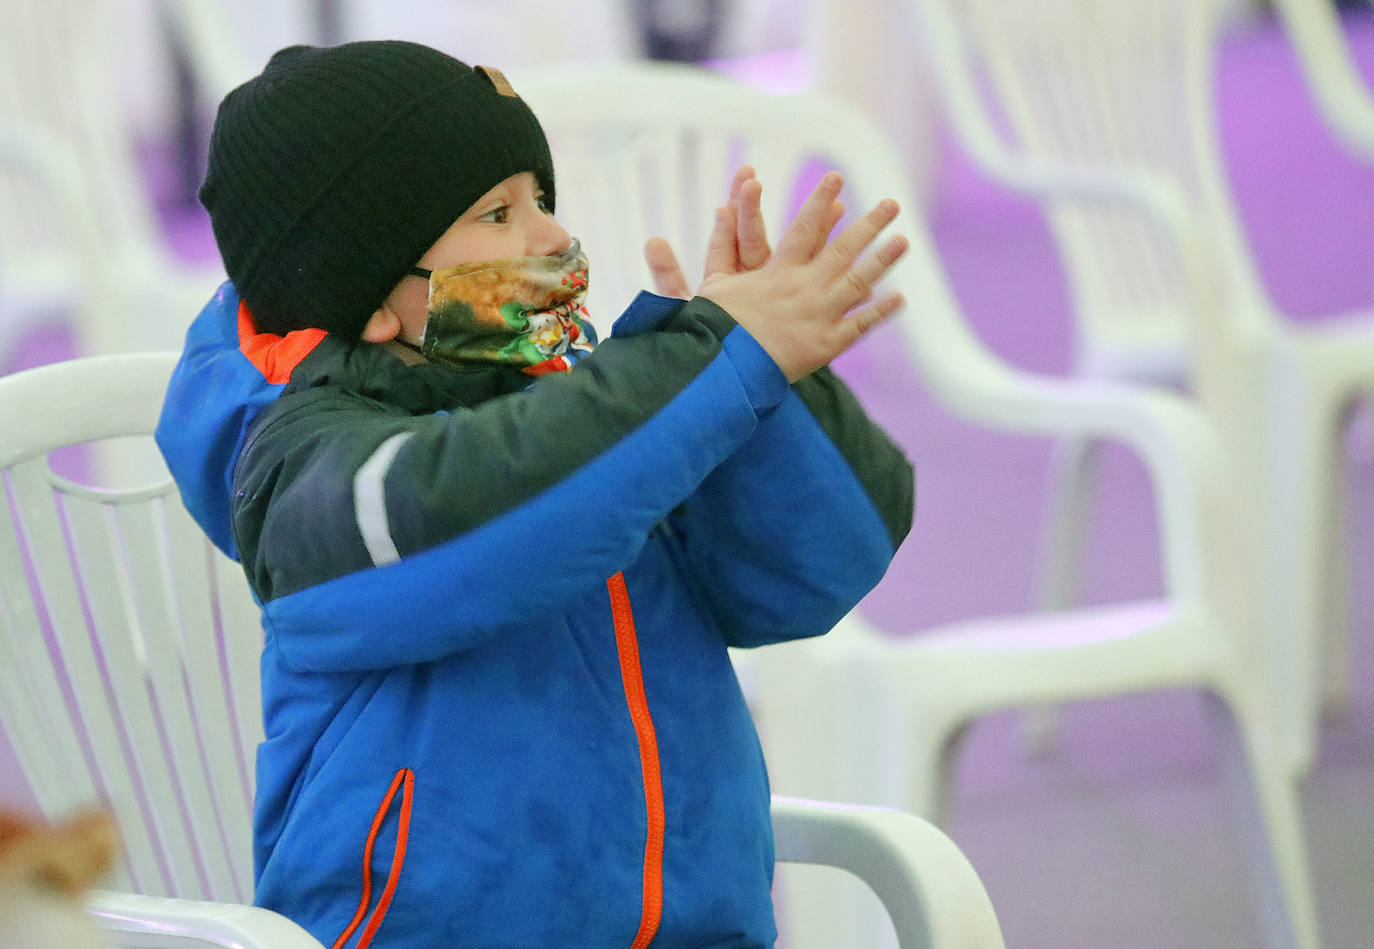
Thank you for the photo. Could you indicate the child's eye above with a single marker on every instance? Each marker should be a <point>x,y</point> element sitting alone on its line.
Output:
<point>544,204</point>
<point>499,215</point>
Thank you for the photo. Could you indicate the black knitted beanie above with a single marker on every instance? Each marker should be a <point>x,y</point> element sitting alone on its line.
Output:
<point>333,171</point>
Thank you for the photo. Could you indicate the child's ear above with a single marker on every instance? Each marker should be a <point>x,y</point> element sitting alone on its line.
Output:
<point>384,325</point>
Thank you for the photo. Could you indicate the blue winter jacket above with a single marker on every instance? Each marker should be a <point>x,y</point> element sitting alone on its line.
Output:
<point>498,705</point>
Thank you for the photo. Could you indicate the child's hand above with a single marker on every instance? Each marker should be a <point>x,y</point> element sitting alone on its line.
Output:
<point>749,248</point>
<point>797,303</point>
<point>739,239</point>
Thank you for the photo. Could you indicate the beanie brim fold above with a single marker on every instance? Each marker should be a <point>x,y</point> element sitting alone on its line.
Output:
<point>335,170</point>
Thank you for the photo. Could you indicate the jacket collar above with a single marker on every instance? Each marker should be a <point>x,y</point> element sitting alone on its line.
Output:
<point>375,372</point>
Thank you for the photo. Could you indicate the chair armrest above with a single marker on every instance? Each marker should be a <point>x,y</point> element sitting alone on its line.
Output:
<point>1177,443</point>
<point>150,922</point>
<point>925,882</point>
<point>929,888</point>
<point>1325,58</point>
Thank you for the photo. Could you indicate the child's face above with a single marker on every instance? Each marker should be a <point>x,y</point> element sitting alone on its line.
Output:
<point>510,220</point>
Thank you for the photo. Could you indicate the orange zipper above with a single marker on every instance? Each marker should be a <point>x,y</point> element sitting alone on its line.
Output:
<point>627,646</point>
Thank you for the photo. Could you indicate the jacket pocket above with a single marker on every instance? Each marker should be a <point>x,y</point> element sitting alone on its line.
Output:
<point>404,782</point>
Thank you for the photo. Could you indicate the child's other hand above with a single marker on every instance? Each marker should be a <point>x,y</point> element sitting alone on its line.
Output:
<point>739,240</point>
<point>812,299</point>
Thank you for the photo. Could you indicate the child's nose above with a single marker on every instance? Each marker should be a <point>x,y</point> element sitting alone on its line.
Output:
<point>549,237</point>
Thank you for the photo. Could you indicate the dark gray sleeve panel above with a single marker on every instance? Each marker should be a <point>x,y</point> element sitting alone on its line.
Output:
<point>881,467</point>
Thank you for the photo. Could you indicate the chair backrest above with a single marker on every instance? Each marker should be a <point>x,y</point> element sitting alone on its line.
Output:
<point>44,233</point>
<point>503,34</point>
<point>1104,85</point>
<point>646,149</point>
<point>62,77</point>
<point>80,237</point>
<point>643,150</point>
<point>128,645</point>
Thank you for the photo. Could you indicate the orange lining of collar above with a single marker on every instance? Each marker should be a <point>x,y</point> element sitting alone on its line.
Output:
<point>276,357</point>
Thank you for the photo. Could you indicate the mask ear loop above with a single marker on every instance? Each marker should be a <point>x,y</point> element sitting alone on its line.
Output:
<point>414,272</point>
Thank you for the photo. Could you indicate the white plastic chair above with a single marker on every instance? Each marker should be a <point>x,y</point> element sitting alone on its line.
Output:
<point>501,33</point>
<point>932,894</point>
<point>1344,98</point>
<point>129,645</point>
<point>1110,109</point>
<point>859,51</point>
<point>862,716</point>
<point>215,49</point>
<point>128,674</point>
<point>111,269</point>
<point>43,228</point>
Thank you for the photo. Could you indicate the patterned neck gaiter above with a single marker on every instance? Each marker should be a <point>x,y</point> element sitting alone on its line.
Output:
<point>524,312</point>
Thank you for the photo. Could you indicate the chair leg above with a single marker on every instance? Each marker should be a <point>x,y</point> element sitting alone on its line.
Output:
<point>1306,575</point>
<point>1040,730</point>
<point>1335,673</point>
<point>1269,822</point>
<point>1359,440</point>
<point>1072,477</point>
<point>918,777</point>
<point>840,731</point>
<point>802,723</point>
<point>931,755</point>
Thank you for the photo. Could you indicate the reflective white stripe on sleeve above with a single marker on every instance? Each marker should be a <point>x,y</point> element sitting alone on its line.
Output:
<point>369,500</point>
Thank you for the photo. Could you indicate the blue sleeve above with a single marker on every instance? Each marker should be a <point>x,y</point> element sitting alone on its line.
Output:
<point>501,513</point>
<point>802,520</point>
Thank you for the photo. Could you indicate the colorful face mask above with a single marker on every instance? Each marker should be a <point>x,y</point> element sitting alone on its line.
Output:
<point>525,312</point>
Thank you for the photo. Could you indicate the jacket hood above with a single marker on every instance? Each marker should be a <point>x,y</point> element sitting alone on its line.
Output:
<point>227,374</point>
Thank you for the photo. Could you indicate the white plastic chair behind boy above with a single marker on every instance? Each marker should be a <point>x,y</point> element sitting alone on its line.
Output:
<point>128,674</point>
<point>78,229</point>
<point>1111,109</point>
<point>859,716</point>
<point>42,230</point>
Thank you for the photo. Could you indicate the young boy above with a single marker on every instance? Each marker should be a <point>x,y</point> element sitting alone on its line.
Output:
<point>497,594</point>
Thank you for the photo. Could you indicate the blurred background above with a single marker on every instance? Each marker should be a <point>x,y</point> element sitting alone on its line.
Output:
<point>1118,838</point>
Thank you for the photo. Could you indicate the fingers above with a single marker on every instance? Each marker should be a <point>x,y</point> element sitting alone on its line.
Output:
<point>856,286</point>
<point>751,232</point>
<point>858,324</point>
<point>810,228</point>
<point>833,215</point>
<point>853,239</point>
<point>746,193</point>
<point>722,252</point>
<point>742,174</point>
<point>665,270</point>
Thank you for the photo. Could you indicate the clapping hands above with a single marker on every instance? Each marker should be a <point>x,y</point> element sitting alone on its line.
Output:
<point>812,298</point>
